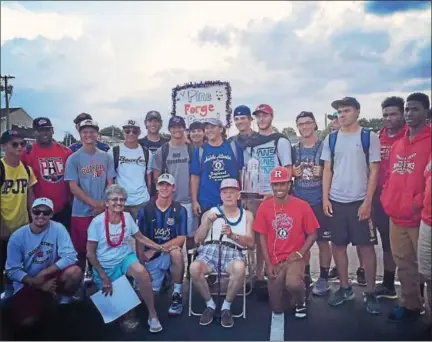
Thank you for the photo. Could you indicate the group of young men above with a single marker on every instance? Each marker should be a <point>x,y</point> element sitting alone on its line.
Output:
<point>187,191</point>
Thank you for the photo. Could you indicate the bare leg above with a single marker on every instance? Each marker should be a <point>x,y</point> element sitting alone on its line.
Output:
<point>341,260</point>
<point>71,279</point>
<point>360,257</point>
<point>198,271</point>
<point>325,253</point>
<point>177,266</point>
<point>237,271</point>
<point>259,260</point>
<point>370,262</point>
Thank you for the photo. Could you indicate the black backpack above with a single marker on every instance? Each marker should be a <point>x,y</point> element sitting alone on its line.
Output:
<point>3,172</point>
<point>165,151</point>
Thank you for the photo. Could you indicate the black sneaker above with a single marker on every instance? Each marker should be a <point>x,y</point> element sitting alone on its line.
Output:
<point>333,274</point>
<point>361,277</point>
<point>382,291</point>
<point>176,307</point>
<point>301,311</point>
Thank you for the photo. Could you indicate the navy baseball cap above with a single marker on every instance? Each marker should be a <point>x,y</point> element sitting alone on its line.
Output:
<point>8,135</point>
<point>42,123</point>
<point>153,114</point>
<point>196,125</point>
<point>242,110</point>
<point>346,102</point>
<point>81,117</point>
<point>176,121</point>
<point>305,114</point>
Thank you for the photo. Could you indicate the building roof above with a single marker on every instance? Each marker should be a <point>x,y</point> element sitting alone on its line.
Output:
<point>3,111</point>
<point>26,132</point>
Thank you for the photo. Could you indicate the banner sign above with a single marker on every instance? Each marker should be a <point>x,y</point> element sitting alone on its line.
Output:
<point>200,101</point>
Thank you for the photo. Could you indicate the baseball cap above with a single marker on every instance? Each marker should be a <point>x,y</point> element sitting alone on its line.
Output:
<point>42,123</point>
<point>166,178</point>
<point>82,117</point>
<point>196,125</point>
<point>153,114</point>
<point>230,183</point>
<point>176,121</point>
<point>346,101</point>
<point>214,122</point>
<point>279,175</point>
<point>8,135</point>
<point>131,123</point>
<point>88,123</point>
<point>265,108</point>
<point>43,201</point>
<point>242,110</point>
<point>306,115</point>
<point>333,116</point>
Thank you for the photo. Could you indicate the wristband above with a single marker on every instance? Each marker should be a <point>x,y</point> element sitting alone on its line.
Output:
<point>298,253</point>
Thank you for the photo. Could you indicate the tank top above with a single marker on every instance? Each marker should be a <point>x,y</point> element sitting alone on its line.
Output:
<point>239,228</point>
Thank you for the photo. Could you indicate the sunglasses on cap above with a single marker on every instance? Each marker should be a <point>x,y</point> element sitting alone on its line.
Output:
<point>16,144</point>
<point>131,130</point>
<point>45,212</point>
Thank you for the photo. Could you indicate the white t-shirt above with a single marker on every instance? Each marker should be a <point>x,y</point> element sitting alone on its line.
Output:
<point>131,173</point>
<point>268,159</point>
<point>108,256</point>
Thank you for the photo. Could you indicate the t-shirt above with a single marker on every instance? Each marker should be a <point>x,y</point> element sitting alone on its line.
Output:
<point>217,163</point>
<point>108,256</point>
<point>162,226</point>
<point>178,165</point>
<point>48,164</point>
<point>131,173</point>
<point>285,226</point>
<point>91,171</point>
<point>30,253</point>
<point>269,157</point>
<point>307,186</point>
<point>351,172</point>
<point>13,198</point>
<point>99,144</point>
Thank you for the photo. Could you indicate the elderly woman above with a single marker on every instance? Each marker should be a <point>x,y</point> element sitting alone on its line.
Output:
<point>111,255</point>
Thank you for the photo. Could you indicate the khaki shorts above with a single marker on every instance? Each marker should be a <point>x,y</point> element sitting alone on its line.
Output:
<point>424,251</point>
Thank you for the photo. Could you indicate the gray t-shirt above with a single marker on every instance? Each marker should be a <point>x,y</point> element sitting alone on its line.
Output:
<point>91,172</point>
<point>351,173</point>
<point>178,165</point>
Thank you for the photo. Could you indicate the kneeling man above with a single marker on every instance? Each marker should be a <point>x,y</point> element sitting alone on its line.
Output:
<point>41,263</point>
<point>164,221</point>
<point>237,235</point>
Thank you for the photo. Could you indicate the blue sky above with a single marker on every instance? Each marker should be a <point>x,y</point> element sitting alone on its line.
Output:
<point>118,60</point>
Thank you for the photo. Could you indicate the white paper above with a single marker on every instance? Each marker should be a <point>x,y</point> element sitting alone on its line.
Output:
<point>122,300</point>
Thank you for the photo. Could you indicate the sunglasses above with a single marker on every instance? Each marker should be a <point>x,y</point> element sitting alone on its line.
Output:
<point>131,131</point>
<point>17,144</point>
<point>37,212</point>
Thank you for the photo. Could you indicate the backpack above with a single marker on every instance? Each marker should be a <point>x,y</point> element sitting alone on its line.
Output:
<point>3,171</point>
<point>365,141</point>
<point>165,151</point>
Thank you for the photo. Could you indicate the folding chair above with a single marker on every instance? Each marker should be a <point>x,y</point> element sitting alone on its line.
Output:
<point>242,294</point>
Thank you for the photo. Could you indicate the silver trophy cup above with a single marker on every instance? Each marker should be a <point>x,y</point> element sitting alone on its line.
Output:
<point>251,181</point>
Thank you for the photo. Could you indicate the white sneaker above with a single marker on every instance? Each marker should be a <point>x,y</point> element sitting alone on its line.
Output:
<point>154,325</point>
<point>277,328</point>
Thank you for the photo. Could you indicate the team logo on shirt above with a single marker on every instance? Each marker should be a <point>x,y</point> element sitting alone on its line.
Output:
<point>170,221</point>
<point>385,152</point>
<point>218,165</point>
<point>94,170</point>
<point>404,165</point>
<point>282,224</point>
<point>51,169</point>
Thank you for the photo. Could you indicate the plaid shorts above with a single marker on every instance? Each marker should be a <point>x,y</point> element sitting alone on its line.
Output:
<point>209,254</point>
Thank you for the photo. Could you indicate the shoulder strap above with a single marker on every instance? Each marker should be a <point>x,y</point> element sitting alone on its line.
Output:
<point>116,155</point>
<point>29,148</point>
<point>276,142</point>
<point>234,148</point>
<point>2,173</point>
<point>365,141</point>
<point>190,151</point>
<point>165,151</point>
<point>294,154</point>
<point>27,170</point>
<point>332,146</point>
<point>200,155</point>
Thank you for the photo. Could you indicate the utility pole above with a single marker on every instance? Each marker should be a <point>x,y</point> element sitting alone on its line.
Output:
<point>7,88</point>
<point>325,119</point>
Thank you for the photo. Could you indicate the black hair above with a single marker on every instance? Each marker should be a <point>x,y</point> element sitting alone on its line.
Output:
<point>420,97</point>
<point>394,101</point>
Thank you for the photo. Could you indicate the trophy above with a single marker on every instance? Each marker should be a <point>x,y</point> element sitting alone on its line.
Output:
<point>251,180</point>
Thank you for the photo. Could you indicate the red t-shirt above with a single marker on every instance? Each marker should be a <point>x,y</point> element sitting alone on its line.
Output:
<point>426,213</point>
<point>49,165</point>
<point>286,226</point>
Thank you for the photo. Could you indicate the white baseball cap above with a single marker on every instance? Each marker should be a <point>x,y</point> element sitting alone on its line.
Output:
<point>131,123</point>
<point>230,183</point>
<point>88,123</point>
<point>43,201</point>
<point>166,178</point>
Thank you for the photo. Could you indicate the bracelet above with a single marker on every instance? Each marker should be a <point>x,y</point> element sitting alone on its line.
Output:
<point>301,256</point>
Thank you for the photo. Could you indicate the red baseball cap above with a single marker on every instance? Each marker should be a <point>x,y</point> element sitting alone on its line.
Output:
<point>279,175</point>
<point>265,108</point>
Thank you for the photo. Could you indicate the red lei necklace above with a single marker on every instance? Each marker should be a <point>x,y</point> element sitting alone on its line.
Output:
<point>107,233</point>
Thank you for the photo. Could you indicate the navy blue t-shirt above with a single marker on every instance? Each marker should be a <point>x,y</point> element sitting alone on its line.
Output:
<point>162,227</point>
<point>217,163</point>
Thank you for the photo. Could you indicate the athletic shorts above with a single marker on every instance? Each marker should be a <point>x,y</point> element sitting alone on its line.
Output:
<point>30,302</point>
<point>323,231</point>
<point>381,221</point>
<point>209,254</point>
<point>79,227</point>
<point>64,216</point>
<point>157,268</point>
<point>345,227</point>
<point>191,220</point>
<point>117,271</point>
<point>425,251</point>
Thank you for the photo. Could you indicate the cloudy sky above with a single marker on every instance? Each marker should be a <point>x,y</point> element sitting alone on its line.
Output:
<point>117,60</point>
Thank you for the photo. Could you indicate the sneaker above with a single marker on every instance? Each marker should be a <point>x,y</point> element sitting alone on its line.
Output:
<point>154,325</point>
<point>341,296</point>
<point>176,307</point>
<point>361,277</point>
<point>333,274</point>
<point>227,319</point>
<point>277,330</point>
<point>382,291</point>
<point>300,310</point>
<point>400,314</point>
<point>423,309</point>
<point>321,287</point>
<point>207,316</point>
<point>372,304</point>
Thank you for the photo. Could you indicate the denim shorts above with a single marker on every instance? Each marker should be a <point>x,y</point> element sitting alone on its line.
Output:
<point>117,271</point>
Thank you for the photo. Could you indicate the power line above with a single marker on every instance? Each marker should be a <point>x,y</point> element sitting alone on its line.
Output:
<point>8,89</point>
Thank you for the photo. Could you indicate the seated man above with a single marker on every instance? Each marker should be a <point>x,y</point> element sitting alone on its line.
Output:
<point>164,221</point>
<point>41,263</point>
<point>237,235</point>
<point>287,230</point>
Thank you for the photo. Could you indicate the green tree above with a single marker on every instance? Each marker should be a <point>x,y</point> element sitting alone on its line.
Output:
<point>289,132</point>
<point>275,130</point>
<point>112,131</point>
<point>374,123</point>
<point>68,139</point>
<point>324,133</point>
